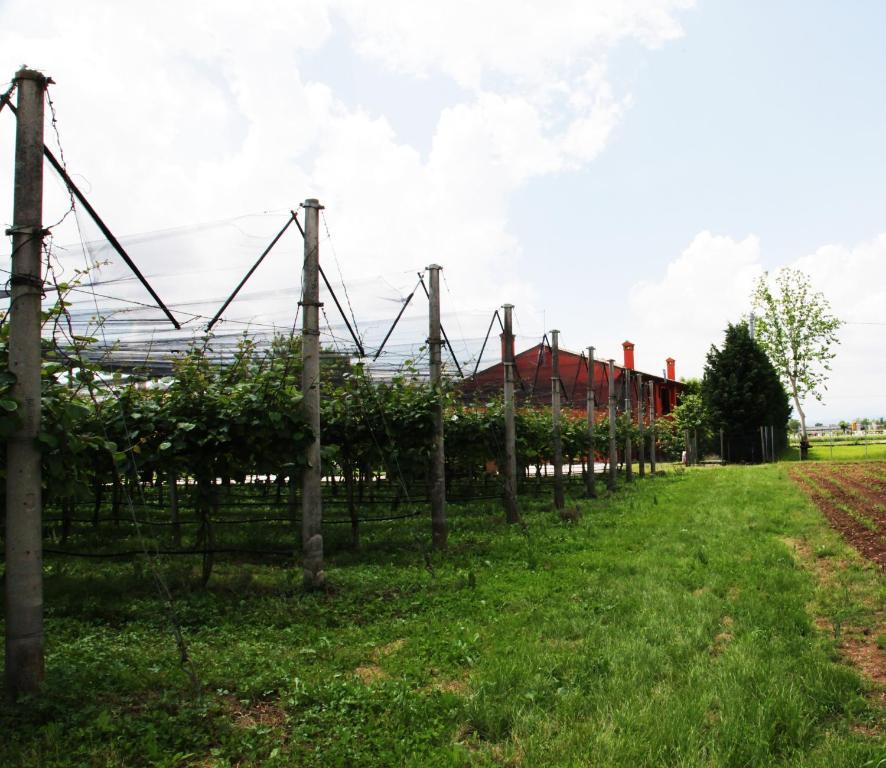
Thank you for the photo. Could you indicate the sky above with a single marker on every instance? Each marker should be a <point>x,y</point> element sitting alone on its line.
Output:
<point>616,170</point>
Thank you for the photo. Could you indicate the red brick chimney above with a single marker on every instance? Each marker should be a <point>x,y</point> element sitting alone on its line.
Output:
<point>672,368</point>
<point>629,354</point>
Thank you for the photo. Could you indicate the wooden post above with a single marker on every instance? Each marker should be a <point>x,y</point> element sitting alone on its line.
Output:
<point>312,497</point>
<point>173,509</point>
<point>559,501</point>
<point>439,528</point>
<point>590,489</point>
<point>629,458</point>
<point>641,417</point>
<point>512,513</point>
<point>613,444</point>
<point>651,401</point>
<point>24,535</point>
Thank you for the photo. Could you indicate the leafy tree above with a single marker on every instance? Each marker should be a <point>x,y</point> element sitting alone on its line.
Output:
<point>742,392</point>
<point>798,332</point>
<point>793,426</point>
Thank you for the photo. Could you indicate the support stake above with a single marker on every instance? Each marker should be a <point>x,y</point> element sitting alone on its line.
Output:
<point>24,535</point>
<point>590,489</point>
<point>556,438</point>
<point>439,528</point>
<point>613,444</point>
<point>312,499</point>
<point>512,513</point>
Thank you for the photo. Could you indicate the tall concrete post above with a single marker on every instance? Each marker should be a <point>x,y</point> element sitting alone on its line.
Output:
<point>613,444</point>
<point>512,513</point>
<point>439,529</point>
<point>629,457</point>
<point>556,438</point>
<point>590,489</point>
<point>641,424</point>
<point>312,498</point>
<point>651,401</point>
<point>24,535</point>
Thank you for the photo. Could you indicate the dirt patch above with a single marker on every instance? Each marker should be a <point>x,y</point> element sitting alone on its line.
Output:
<point>857,646</point>
<point>506,754</point>
<point>458,687</point>
<point>387,650</point>
<point>868,543</point>
<point>370,673</point>
<point>723,637</point>
<point>253,714</point>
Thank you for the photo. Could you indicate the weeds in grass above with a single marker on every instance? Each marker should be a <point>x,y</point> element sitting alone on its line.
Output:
<point>664,628</point>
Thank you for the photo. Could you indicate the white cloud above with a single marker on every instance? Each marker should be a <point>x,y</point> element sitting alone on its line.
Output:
<point>687,309</point>
<point>709,285</point>
<point>200,111</point>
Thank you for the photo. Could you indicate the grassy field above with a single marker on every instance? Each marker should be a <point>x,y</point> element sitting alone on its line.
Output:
<point>674,624</point>
<point>837,452</point>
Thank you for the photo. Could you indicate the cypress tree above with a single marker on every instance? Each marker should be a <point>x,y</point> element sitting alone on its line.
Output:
<point>742,392</point>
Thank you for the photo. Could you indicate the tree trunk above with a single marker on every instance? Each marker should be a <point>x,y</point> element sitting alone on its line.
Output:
<point>804,438</point>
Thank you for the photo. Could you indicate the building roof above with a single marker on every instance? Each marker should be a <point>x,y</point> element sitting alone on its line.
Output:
<point>533,375</point>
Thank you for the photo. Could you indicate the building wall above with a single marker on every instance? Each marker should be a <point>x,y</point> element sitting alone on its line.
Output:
<point>533,382</point>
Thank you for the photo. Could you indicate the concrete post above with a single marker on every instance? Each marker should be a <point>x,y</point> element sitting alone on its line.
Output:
<point>651,401</point>
<point>722,451</point>
<point>439,528</point>
<point>613,445</point>
<point>559,501</point>
<point>762,446</point>
<point>24,535</point>
<point>629,458</point>
<point>590,489</point>
<point>512,513</point>
<point>641,423</point>
<point>312,497</point>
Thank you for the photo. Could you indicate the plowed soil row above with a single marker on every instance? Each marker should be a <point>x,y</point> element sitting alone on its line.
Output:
<point>874,477</point>
<point>875,498</point>
<point>869,543</point>
<point>851,496</point>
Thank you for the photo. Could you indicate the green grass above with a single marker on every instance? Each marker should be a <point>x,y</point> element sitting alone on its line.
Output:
<point>670,626</point>
<point>837,452</point>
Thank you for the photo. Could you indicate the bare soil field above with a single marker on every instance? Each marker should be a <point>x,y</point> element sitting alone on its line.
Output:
<point>853,498</point>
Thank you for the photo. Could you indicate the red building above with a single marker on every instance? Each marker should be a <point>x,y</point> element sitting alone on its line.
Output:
<point>533,374</point>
